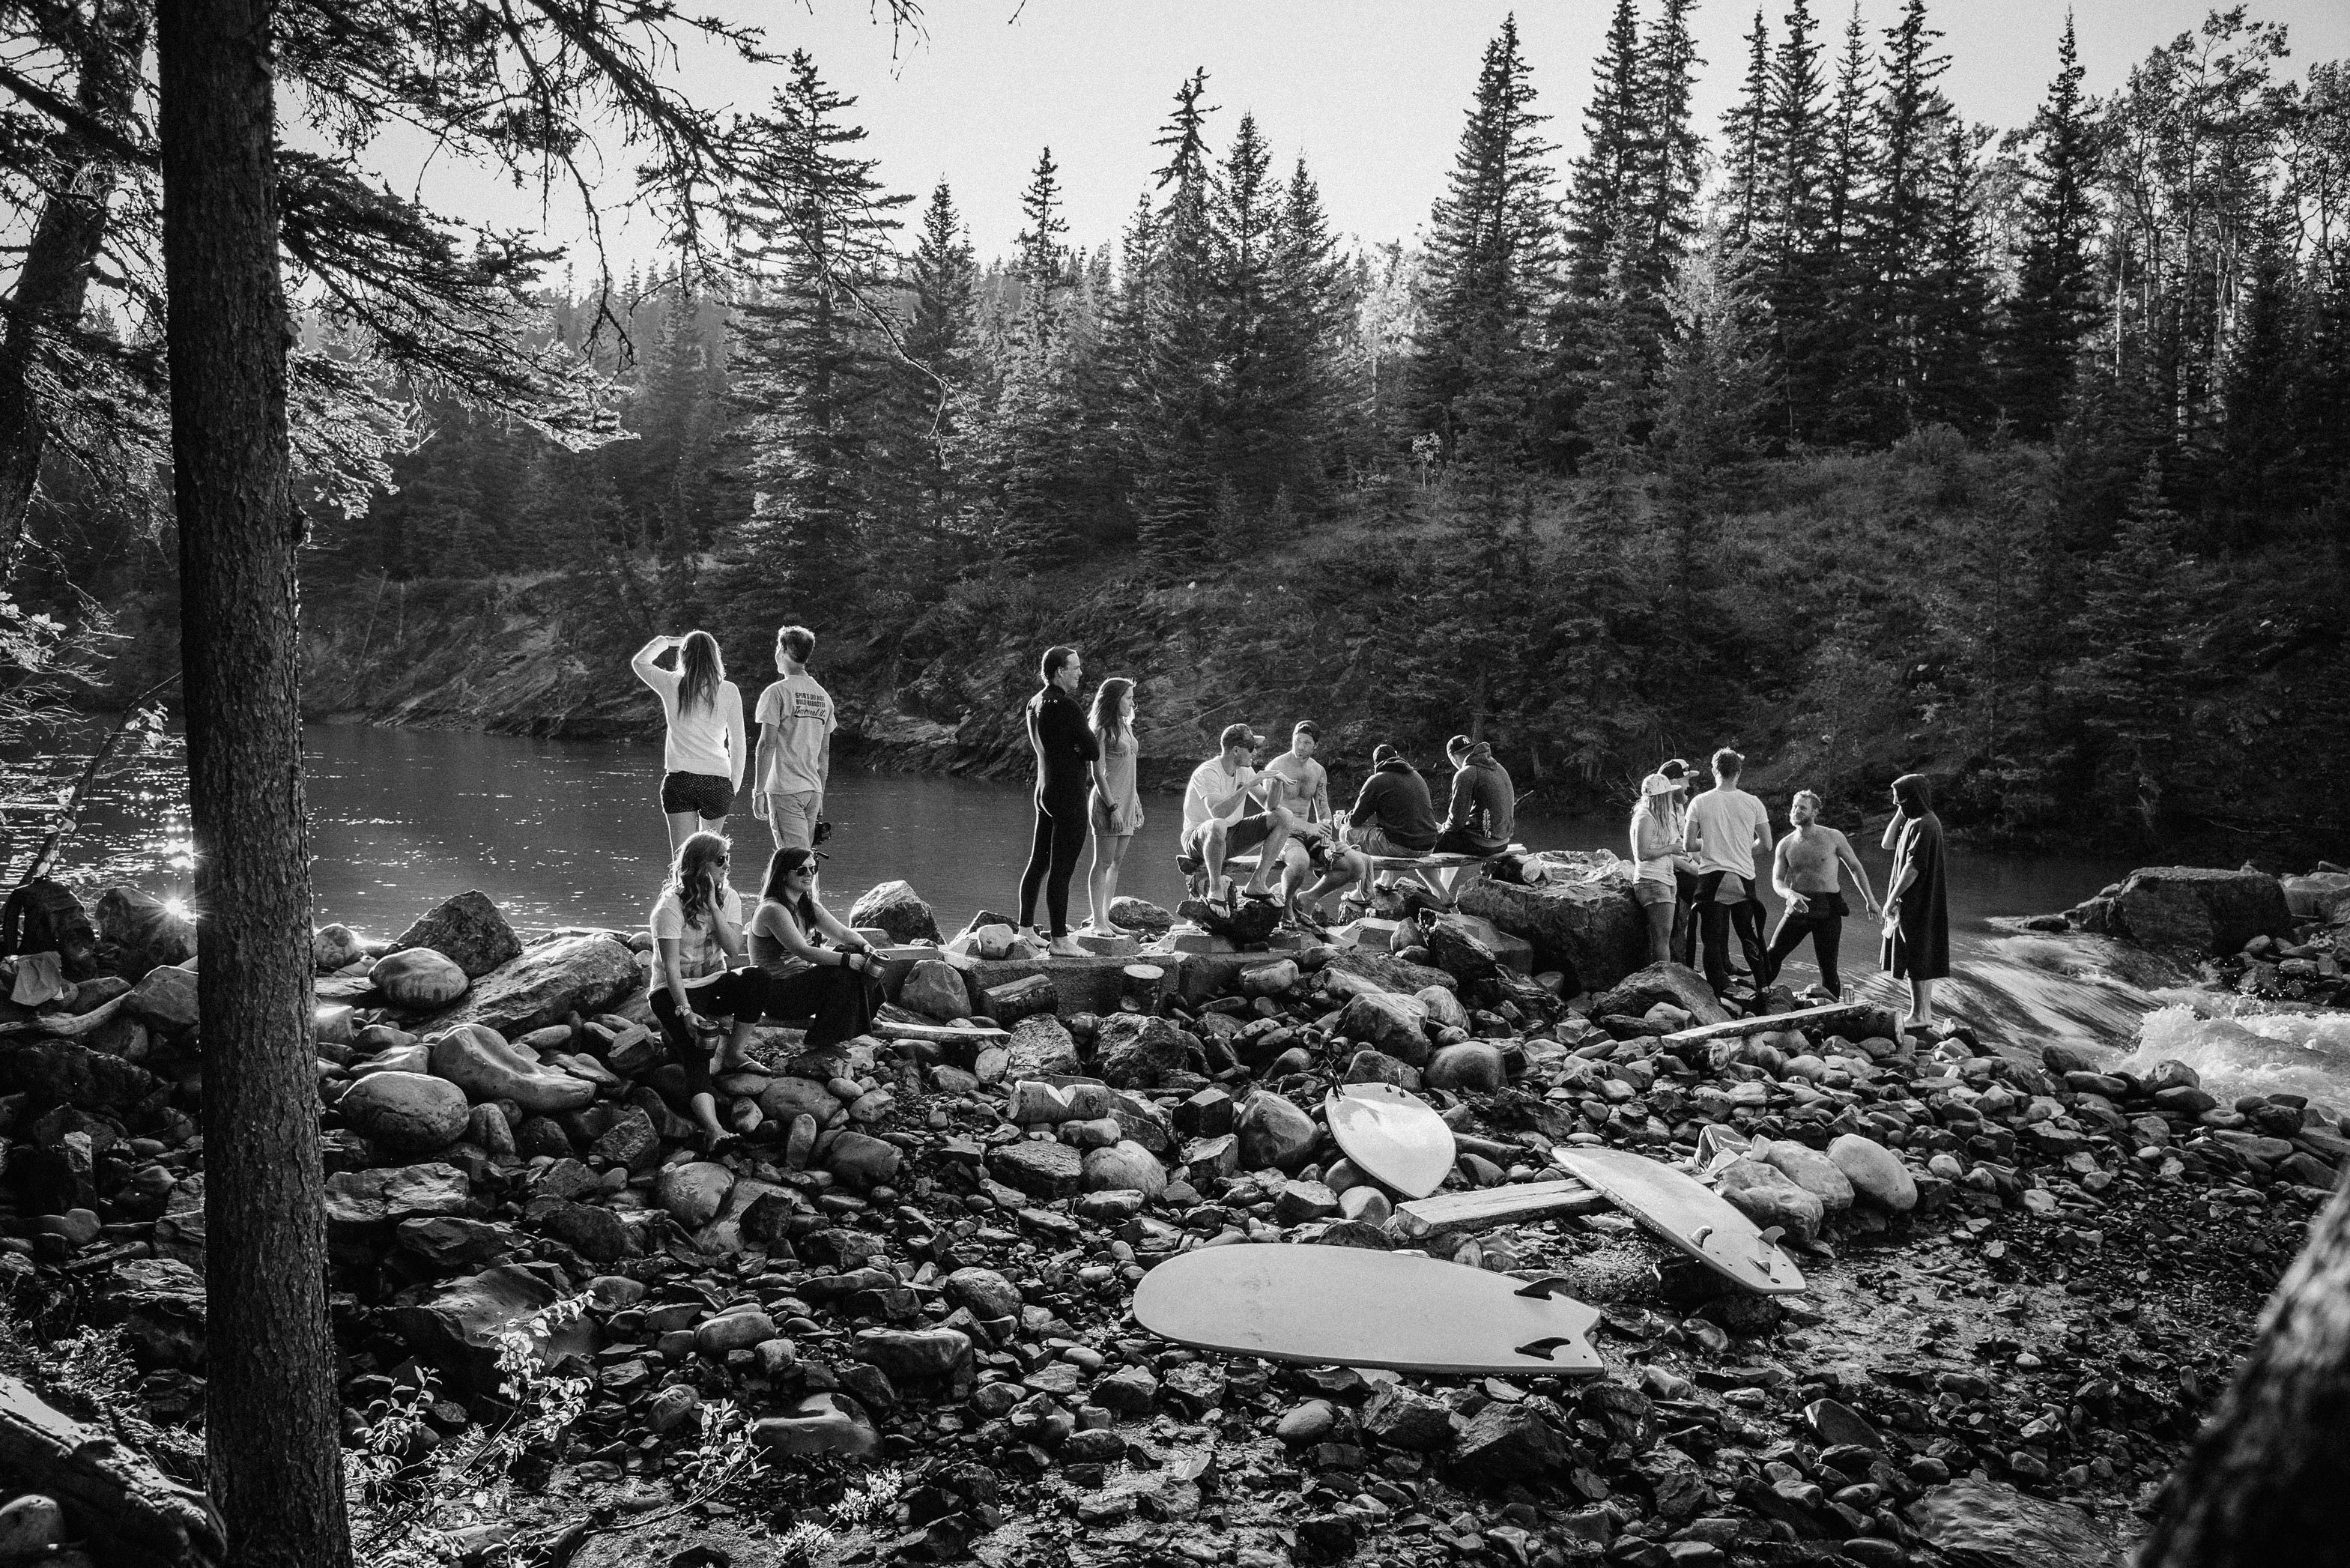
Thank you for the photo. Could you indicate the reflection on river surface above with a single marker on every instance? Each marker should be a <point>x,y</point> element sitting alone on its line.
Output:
<point>568,832</point>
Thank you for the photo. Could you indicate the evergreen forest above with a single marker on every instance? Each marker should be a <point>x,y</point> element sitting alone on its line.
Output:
<point>1844,430</point>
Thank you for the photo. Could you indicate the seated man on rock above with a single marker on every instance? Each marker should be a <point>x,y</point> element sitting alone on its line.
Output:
<point>1484,810</point>
<point>1229,810</point>
<point>1392,815</point>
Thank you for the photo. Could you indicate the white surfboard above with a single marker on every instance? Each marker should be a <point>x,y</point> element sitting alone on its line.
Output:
<point>1392,1134</point>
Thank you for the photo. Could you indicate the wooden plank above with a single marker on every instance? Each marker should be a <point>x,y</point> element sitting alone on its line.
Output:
<point>945,1033</point>
<point>1508,1205</point>
<point>1827,1014</point>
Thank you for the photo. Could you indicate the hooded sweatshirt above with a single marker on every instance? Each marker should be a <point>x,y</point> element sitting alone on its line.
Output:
<point>1484,801</point>
<point>1396,798</point>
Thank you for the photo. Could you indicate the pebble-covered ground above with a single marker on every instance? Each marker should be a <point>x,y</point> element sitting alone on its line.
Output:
<point>2028,1280</point>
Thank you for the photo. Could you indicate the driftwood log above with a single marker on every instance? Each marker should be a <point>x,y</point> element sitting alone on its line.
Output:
<point>130,1513</point>
<point>2264,1483</point>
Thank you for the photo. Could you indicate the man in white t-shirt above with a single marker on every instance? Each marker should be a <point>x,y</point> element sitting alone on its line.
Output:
<point>1726,830</point>
<point>1218,821</point>
<point>795,724</point>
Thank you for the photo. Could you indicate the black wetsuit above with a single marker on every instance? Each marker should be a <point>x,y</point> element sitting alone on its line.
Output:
<point>1066,751</point>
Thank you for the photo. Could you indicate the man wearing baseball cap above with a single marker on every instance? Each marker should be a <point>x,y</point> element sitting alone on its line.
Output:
<point>1218,818</point>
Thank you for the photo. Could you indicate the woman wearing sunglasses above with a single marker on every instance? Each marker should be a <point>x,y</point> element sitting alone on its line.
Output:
<point>703,985</point>
<point>814,965</point>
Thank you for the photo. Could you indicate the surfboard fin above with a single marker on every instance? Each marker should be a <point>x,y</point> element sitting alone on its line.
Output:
<point>1547,1349</point>
<point>1543,1289</point>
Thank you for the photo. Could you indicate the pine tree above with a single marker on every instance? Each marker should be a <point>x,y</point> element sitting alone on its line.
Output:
<point>1672,154</point>
<point>941,338</point>
<point>1908,136</point>
<point>1834,335</point>
<point>2131,688</point>
<point>1748,155</point>
<point>1791,231</point>
<point>813,377</point>
<point>1491,269</point>
<point>1590,323</point>
<point>1604,181</point>
<point>1954,332</point>
<point>1176,491</point>
<point>2054,306</point>
<point>1043,260</point>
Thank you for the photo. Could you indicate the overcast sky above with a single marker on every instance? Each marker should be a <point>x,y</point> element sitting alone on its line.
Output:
<point>1371,92</point>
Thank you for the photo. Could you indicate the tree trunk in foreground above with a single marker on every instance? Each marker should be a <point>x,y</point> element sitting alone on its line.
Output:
<point>270,1392</point>
<point>55,278</point>
<point>2264,1484</point>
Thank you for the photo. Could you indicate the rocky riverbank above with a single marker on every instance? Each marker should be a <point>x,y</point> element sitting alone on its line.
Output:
<point>905,1289</point>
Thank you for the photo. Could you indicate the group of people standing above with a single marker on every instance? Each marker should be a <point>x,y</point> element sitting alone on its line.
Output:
<point>717,974</point>
<point>1696,855</point>
<point>1698,852</point>
<point>1234,802</point>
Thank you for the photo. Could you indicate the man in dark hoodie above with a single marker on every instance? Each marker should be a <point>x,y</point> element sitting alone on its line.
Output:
<point>1484,810</point>
<point>1393,816</point>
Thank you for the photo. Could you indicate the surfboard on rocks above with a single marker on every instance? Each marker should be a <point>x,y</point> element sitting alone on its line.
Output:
<point>1348,1306</point>
<point>1678,1209</point>
<point>1392,1134</point>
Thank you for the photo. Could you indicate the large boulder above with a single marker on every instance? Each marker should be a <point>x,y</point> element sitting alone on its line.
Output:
<point>466,929</point>
<point>1875,1171</point>
<point>164,999</point>
<point>1046,1170</point>
<point>1272,1132</point>
<point>409,1112</point>
<point>2192,909</point>
<point>143,932</point>
<point>1388,1023</point>
<point>1594,932</point>
<point>585,972</point>
<point>479,1061</point>
<point>1767,1196</point>
<point>1474,1067</point>
<point>1137,1050</point>
<point>456,1326</point>
<point>417,979</point>
<point>1384,971</point>
<point>1674,984</point>
<point>1124,1166</point>
<point>1808,1169</point>
<point>896,909</point>
<point>51,1073</point>
<point>934,988</point>
<point>1140,915</point>
<point>693,1193</point>
<point>1041,1047</point>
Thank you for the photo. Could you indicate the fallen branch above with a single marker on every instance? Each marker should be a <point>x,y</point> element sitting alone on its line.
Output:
<point>70,818</point>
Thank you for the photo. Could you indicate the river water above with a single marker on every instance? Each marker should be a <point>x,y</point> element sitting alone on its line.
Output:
<point>568,832</point>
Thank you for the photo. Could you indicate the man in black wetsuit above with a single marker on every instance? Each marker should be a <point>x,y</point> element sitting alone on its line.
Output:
<point>1067,759</point>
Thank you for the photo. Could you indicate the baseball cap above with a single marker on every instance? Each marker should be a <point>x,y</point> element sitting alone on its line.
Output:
<point>1240,735</point>
<point>1676,770</point>
<point>1658,783</point>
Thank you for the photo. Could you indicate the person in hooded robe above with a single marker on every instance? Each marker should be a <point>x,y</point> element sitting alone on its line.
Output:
<point>1917,946</point>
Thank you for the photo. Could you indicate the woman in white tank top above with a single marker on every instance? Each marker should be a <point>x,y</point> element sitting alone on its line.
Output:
<point>702,755</point>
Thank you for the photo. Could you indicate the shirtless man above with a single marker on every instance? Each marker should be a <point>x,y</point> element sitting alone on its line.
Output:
<point>1315,848</point>
<point>1806,870</point>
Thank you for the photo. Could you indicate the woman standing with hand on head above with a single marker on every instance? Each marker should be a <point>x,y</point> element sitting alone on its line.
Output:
<point>1116,808</point>
<point>703,751</point>
<point>1917,899</point>
<point>1657,853</point>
